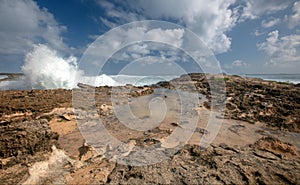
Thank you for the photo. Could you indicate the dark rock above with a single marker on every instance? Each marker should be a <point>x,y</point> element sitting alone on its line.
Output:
<point>26,138</point>
<point>85,86</point>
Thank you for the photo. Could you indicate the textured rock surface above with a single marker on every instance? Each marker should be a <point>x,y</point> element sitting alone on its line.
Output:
<point>217,165</point>
<point>21,145</point>
<point>29,120</point>
<point>23,138</point>
<point>249,99</point>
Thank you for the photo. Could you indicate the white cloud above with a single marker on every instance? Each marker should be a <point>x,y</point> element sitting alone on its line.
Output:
<point>256,8</point>
<point>281,50</point>
<point>113,41</point>
<point>117,12</point>
<point>144,40</point>
<point>108,23</point>
<point>239,63</point>
<point>270,23</point>
<point>150,60</point>
<point>132,52</point>
<point>23,23</point>
<point>294,20</point>
<point>131,37</point>
<point>258,33</point>
<point>210,21</point>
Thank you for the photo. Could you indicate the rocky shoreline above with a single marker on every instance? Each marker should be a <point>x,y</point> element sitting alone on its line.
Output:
<point>37,127</point>
<point>254,100</point>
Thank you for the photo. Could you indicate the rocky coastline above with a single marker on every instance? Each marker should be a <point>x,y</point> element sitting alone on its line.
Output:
<point>40,141</point>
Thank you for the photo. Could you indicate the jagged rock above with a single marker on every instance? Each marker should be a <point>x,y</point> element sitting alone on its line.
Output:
<point>85,86</point>
<point>21,145</point>
<point>105,109</point>
<point>276,147</point>
<point>218,165</point>
<point>201,130</point>
<point>141,91</point>
<point>87,153</point>
<point>66,117</point>
<point>248,99</point>
<point>175,124</point>
<point>24,142</point>
<point>23,138</point>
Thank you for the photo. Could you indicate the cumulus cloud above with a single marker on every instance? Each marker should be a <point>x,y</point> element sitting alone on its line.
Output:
<point>239,63</point>
<point>270,23</point>
<point>281,50</point>
<point>23,23</point>
<point>256,8</point>
<point>127,35</point>
<point>116,14</point>
<point>294,20</point>
<point>210,21</point>
<point>258,33</point>
<point>132,42</point>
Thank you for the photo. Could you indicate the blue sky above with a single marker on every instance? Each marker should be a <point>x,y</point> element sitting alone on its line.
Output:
<point>253,36</point>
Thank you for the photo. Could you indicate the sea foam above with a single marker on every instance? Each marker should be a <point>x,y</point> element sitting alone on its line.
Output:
<point>44,68</point>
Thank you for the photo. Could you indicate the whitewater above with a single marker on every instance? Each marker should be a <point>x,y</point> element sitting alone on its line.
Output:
<point>44,68</point>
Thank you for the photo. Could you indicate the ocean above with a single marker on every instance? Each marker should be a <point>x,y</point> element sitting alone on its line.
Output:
<point>290,78</point>
<point>65,73</point>
<point>54,82</point>
<point>3,77</point>
<point>43,82</point>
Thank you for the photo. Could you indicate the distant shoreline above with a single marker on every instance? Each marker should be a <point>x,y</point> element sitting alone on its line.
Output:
<point>285,78</point>
<point>8,78</point>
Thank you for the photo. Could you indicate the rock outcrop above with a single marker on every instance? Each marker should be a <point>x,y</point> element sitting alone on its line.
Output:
<point>20,139</point>
<point>30,119</point>
<point>253,100</point>
<point>264,162</point>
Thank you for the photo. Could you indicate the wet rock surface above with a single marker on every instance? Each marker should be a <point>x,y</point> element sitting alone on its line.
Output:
<point>41,142</point>
<point>249,99</point>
